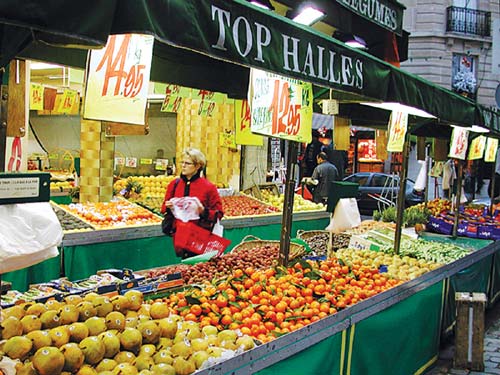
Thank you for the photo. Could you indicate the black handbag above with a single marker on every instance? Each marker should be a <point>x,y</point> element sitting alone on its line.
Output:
<point>167,224</point>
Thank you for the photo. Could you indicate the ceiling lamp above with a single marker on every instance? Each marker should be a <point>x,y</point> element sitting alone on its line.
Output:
<point>42,65</point>
<point>392,106</point>
<point>356,42</point>
<point>308,15</point>
<point>266,4</point>
<point>473,128</point>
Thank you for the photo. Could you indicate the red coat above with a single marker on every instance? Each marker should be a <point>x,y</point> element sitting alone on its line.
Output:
<point>205,191</point>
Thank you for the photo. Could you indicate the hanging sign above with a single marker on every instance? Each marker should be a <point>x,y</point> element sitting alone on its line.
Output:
<point>244,135</point>
<point>118,79</point>
<point>398,123</point>
<point>146,161</point>
<point>173,97</point>
<point>67,101</point>
<point>36,97</point>
<point>119,161</point>
<point>476,149</point>
<point>280,107</point>
<point>161,164</point>
<point>459,140</point>
<point>491,150</point>
<point>227,139</point>
<point>131,162</point>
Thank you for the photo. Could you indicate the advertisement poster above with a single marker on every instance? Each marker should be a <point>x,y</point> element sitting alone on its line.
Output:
<point>280,107</point>
<point>131,162</point>
<point>398,123</point>
<point>244,135</point>
<point>118,79</point>
<point>458,145</point>
<point>36,97</point>
<point>491,150</point>
<point>477,146</point>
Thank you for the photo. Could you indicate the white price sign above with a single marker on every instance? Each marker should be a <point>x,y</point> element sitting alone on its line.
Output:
<point>28,187</point>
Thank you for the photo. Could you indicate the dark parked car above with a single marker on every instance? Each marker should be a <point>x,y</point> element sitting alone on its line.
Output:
<point>378,190</point>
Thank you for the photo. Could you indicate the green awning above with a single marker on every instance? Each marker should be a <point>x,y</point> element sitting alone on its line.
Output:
<point>212,43</point>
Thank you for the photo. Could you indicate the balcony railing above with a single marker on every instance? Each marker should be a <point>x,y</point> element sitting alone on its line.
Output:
<point>468,21</point>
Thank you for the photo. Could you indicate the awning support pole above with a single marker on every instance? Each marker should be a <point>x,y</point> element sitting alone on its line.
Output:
<point>458,197</point>
<point>492,193</point>
<point>401,194</point>
<point>286,220</point>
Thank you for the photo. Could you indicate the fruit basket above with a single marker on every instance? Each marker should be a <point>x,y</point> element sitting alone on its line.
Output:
<point>249,242</point>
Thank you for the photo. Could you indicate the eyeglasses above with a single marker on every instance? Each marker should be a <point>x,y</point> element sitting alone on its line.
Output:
<point>186,163</point>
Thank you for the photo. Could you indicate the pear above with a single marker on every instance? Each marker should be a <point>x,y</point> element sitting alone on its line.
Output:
<point>144,362</point>
<point>10,327</point>
<point>50,319</point>
<point>136,299</point>
<point>93,349</point>
<point>215,351</point>
<point>246,342</point>
<point>16,311</point>
<point>182,349</point>
<point>163,356</point>
<point>39,339</point>
<point>17,347</point>
<point>86,310</point>
<point>68,314</point>
<point>159,310</point>
<point>150,332</point>
<point>78,331</point>
<point>199,358</point>
<point>73,357</point>
<point>124,357</point>
<point>36,309</point>
<point>168,327</point>
<point>227,335</point>
<point>31,323</point>
<point>106,364</point>
<point>111,344</point>
<point>73,299</point>
<point>125,369</point>
<point>141,318</point>
<point>96,325</point>
<point>199,344</point>
<point>210,330</point>
<point>115,320</point>
<point>59,335</point>
<point>131,321</point>
<point>103,306</point>
<point>163,369</point>
<point>120,303</point>
<point>131,339</point>
<point>25,369</point>
<point>144,309</point>
<point>107,372</point>
<point>48,361</point>
<point>164,343</point>
<point>212,340</point>
<point>147,372</point>
<point>86,370</point>
<point>230,345</point>
<point>183,366</point>
<point>53,304</point>
<point>147,350</point>
<point>89,297</point>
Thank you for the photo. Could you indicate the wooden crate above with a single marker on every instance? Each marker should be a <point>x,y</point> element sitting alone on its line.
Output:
<point>469,331</point>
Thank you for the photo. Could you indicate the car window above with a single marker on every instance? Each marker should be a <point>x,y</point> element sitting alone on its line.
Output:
<point>362,180</point>
<point>379,180</point>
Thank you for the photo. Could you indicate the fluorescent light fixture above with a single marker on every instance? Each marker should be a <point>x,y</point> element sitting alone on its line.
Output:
<point>266,4</point>
<point>479,129</point>
<point>308,16</point>
<point>42,65</point>
<point>391,106</point>
<point>356,42</point>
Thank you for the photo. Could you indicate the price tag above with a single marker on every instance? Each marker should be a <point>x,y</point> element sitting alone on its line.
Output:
<point>36,97</point>
<point>119,161</point>
<point>53,156</point>
<point>131,162</point>
<point>67,157</point>
<point>161,164</point>
<point>144,161</point>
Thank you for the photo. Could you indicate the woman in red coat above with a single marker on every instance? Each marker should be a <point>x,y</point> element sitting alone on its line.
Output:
<point>192,184</point>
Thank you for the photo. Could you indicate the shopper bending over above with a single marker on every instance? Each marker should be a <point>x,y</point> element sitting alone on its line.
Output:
<point>192,184</point>
<point>322,178</point>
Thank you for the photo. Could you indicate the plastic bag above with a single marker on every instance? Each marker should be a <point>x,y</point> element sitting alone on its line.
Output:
<point>186,208</point>
<point>345,216</point>
<point>29,234</point>
<point>421,180</point>
<point>218,229</point>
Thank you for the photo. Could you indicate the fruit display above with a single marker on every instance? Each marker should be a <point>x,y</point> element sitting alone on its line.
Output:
<point>438,252</point>
<point>61,185</point>
<point>403,268</point>
<point>417,214</point>
<point>113,214</point>
<point>122,335</point>
<point>151,203</point>
<point>299,203</point>
<point>436,206</point>
<point>243,205</point>
<point>144,186</point>
<point>70,223</point>
<point>367,225</point>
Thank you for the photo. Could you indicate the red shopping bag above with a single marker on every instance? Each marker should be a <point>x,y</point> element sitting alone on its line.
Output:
<point>192,237</point>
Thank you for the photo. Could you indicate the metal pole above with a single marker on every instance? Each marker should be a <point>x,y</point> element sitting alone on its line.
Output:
<point>286,220</point>
<point>401,195</point>
<point>428,161</point>
<point>492,192</point>
<point>458,196</point>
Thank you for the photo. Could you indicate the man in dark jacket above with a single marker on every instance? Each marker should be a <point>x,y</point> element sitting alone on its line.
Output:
<point>322,178</point>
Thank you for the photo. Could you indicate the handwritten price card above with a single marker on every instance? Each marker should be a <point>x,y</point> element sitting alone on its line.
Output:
<point>118,79</point>
<point>459,143</point>
<point>280,107</point>
<point>491,150</point>
<point>36,97</point>
<point>398,124</point>
<point>226,139</point>
<point>67,102</point>
<point>244,135</point>
<point>173,97</point>
<point>477,146</point>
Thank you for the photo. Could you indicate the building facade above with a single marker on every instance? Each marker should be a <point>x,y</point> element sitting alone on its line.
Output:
<point>452,44</point>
